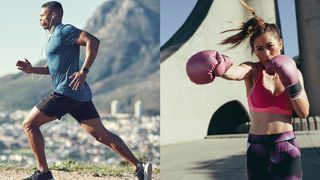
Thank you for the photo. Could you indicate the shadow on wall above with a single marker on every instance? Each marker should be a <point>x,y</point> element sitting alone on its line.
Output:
<point>234,167</point>
<point>230,118</point>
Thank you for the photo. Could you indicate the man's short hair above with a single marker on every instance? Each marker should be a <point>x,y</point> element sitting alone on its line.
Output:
<point>53,6</point>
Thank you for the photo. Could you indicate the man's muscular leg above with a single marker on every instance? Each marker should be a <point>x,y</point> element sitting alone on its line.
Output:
<point>31,126</point>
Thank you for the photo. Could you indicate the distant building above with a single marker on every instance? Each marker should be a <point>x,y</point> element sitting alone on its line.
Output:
<point>115,114</point>
<point>137,108</point>
<point>114,107</point>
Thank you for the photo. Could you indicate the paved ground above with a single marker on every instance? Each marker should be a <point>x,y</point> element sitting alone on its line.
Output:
<point>223,158</point>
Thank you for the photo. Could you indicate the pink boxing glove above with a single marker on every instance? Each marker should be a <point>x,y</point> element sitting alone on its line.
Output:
<point>204,66</point>
<point>288,74</point>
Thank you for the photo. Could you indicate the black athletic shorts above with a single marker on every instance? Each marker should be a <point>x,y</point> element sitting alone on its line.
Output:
<point>58,105</point>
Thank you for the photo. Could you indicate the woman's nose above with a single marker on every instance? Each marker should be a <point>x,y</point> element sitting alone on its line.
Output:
<point>266,52</point>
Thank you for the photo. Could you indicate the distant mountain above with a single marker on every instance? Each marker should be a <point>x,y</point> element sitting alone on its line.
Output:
<point>126,67</point>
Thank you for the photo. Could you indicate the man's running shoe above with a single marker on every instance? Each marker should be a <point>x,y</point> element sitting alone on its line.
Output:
<point>144,171</point>
<point>40,176</point>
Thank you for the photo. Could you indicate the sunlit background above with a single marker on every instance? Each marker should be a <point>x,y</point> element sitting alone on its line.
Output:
<point>21,34</point>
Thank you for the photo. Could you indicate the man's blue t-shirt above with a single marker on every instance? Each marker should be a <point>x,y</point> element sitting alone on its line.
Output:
<point>63,60</point>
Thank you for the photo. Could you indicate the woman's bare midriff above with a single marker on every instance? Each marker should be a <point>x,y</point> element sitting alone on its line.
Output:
<point>263,123</point>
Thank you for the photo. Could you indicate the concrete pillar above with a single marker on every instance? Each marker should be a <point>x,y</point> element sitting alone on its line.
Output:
<point>308,21</point>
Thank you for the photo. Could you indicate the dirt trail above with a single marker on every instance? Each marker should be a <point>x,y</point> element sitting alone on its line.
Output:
<point>61,175</point>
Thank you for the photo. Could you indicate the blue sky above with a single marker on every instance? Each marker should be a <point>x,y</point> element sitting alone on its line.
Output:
<point>23,37</point>
<point>172,19</point>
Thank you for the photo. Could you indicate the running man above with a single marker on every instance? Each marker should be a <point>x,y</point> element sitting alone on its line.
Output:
<point>71,92</point>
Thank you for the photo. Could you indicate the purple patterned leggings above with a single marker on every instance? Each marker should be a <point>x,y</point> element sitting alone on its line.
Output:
<point>274,157</point>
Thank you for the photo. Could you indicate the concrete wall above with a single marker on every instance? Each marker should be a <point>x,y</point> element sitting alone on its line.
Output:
<point>186,108</point>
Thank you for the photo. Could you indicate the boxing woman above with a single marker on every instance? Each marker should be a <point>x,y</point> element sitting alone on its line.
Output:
<point>274,89</point>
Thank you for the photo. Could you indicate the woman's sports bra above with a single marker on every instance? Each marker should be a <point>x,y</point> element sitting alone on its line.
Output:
<point>261,100</point>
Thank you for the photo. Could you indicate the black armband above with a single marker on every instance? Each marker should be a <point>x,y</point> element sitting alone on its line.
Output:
<point>295,90</point>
